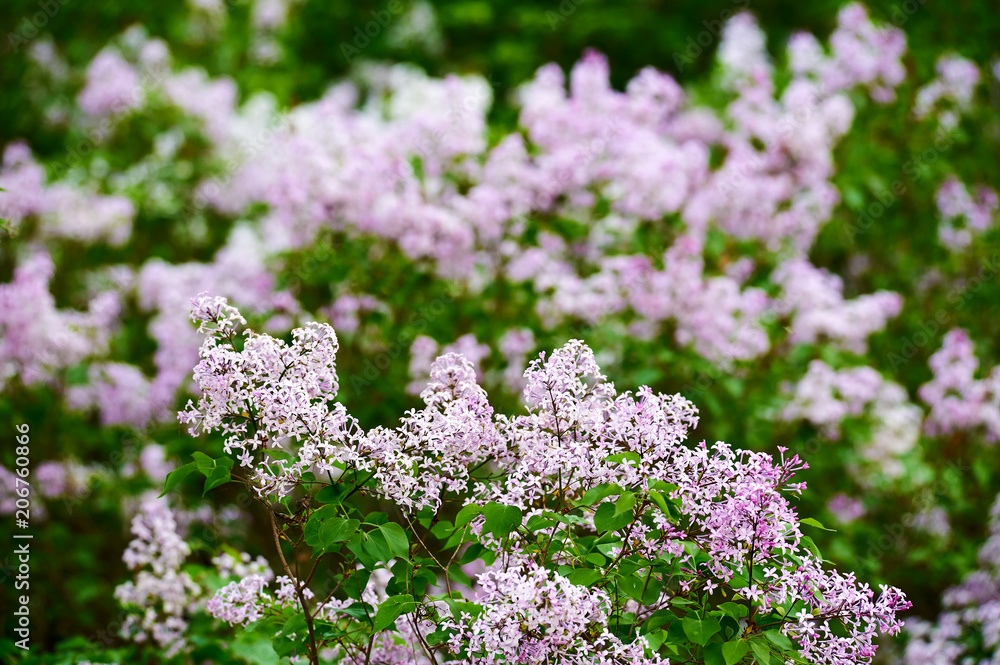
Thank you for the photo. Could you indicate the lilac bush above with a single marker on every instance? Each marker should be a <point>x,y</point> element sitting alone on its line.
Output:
<point>602,537</point>
<point>740,241</point>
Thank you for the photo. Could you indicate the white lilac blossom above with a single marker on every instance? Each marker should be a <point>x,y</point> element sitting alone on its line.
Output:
<point>958,400</point>
<point>162,593</point>
<point>536,616</point>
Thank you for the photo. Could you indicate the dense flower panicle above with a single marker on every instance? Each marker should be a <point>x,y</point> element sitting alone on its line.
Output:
<point>163,594</point>
<point>533,615</point>
<point>515,345</point>
<point>958,401</point>
<point>425,350</point>
<point>283,389</point>
<point>845,509</point>
<point>112,85</point>
<point>345,163</point>
<point>240,602</point>
<point>165,290</point>
<point>63,210</point>
<point>120,392</point>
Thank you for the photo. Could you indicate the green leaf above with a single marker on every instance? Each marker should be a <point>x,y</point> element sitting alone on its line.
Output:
<point>336,530</point>
<point>501,519</point>
<point>175,477</point>
<point>734,651</point>
<point>254,649</point>
<point>713,654</point>
<point>624,503</point>
<point>734,610</point>
<point>661,503</point>
<point>203,462</point>
<point>606,519</point>
<point>218,476</point>
<point>375,546</point>
<point>437,637</point>
<point>331,493</point>
<point>296,625</point>
<point>390,610</point>
<point>811,522</point>
<point>761,652</point>
<point>396,538</point>
<point>778,639</point>
<point>584,576</point>
<point>595,494</point>
<point>466,514</point>
<point>700,631</point>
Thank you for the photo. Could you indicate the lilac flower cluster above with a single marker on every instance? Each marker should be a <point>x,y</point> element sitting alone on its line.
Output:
<point>962,215</point>
<point>955,85</point>
<point>958,401</point>
<point>969,628</point>
<point>577,436</point>
<point>37,340</point>
<point>344,163</point>
<point>164,593</point>
<point>826,397</point>
<point>536,616</point>
<point>62,210</point>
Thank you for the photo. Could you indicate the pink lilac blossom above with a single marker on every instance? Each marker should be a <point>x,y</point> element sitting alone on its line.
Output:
<point>826,398</point>
<point>515,345</point>
<point>63,210</point>
<point>247,600</point>
<point>112,85</point>
<point>955,83</point>
<point>425,350</point>
<point>962,216</point>
<point>865,54</point>
<point>37,340</point>
<point>346,311</point>
<point>242,565</point>
<point>120,392</point>
<point>240,602</point>
<point>958,401</point>
<point>814,298</point>
<point>845,509</point>
<point>240,269</point>
<point>732,502</point>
